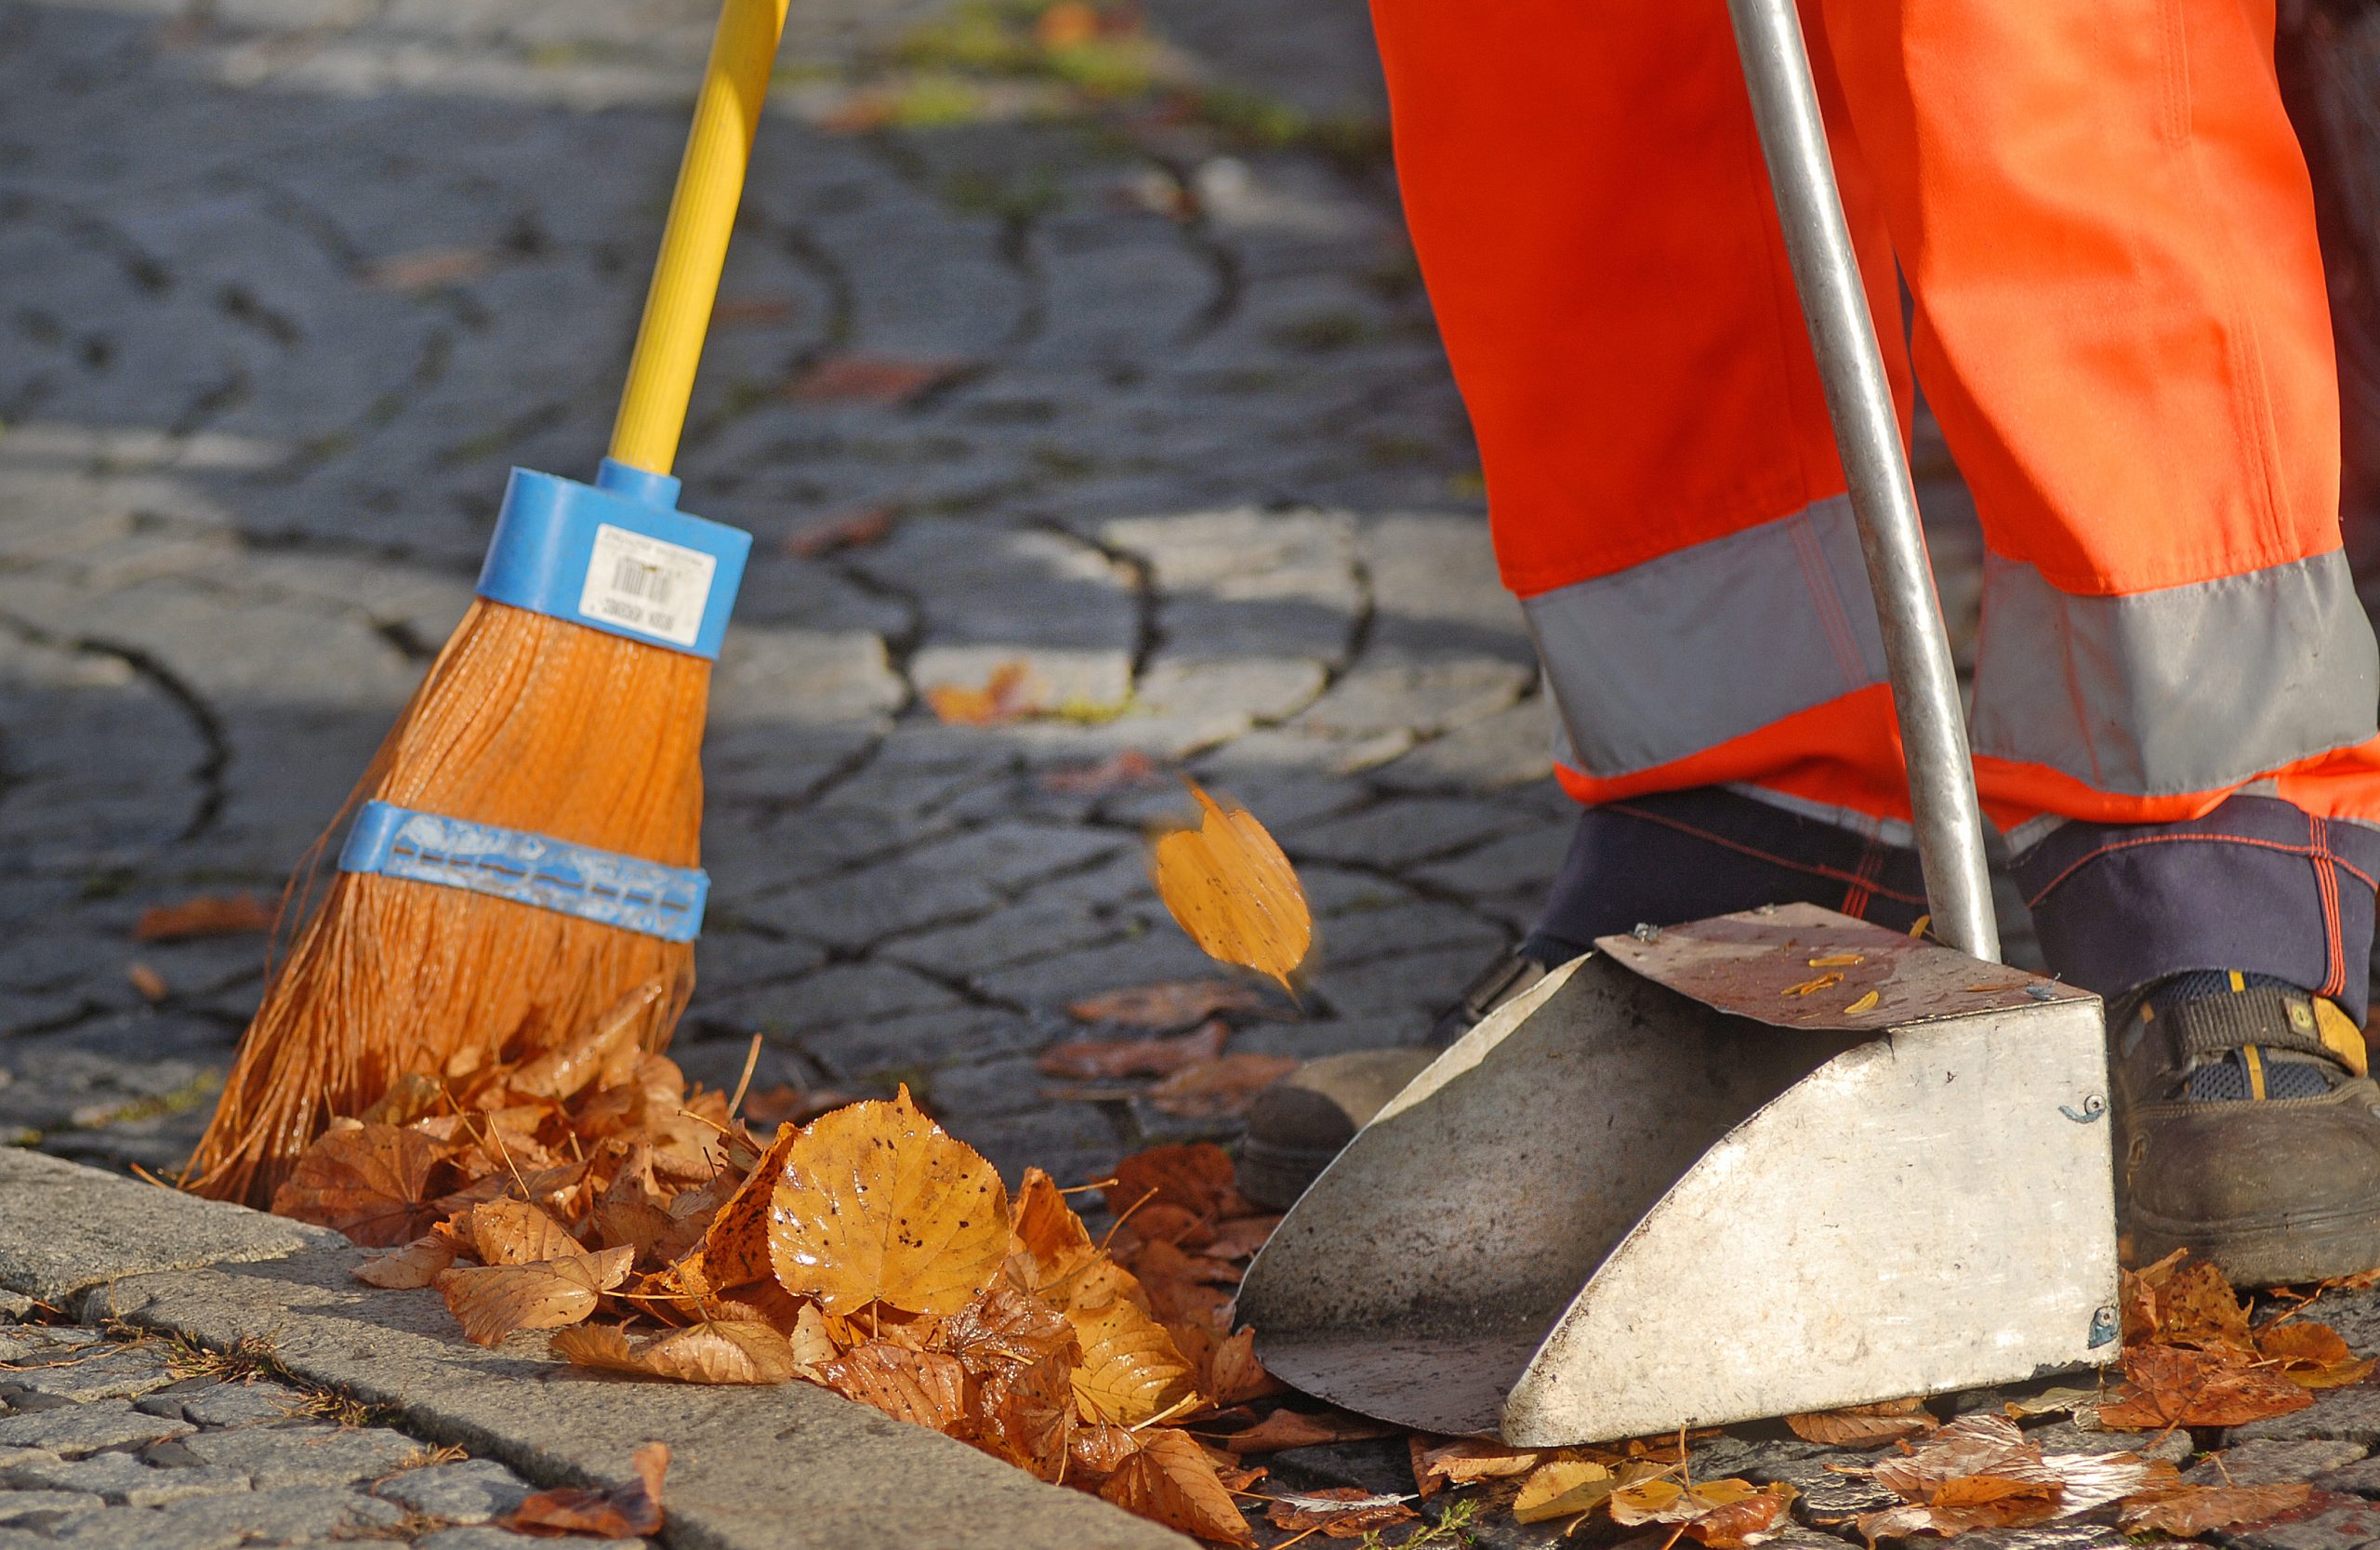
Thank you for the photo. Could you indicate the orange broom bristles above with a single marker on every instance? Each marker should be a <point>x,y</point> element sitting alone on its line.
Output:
<point>525,722</point>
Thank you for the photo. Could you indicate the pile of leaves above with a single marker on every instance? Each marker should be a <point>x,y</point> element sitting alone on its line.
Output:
<point>588,1192</point>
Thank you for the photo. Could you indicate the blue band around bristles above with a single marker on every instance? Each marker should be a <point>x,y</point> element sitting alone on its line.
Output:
<point>528,869</point>
<point>617,555</point>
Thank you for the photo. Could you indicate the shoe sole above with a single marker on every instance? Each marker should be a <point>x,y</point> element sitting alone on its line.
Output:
<point>2278,1251</point>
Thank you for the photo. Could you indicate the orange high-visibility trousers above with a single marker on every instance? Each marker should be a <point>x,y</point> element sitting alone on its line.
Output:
<point>2107,227</point>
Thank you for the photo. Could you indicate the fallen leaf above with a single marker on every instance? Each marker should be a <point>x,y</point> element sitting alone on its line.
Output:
<point>2186,1512</point>
<point>1169,1479</point>
<point>427,267</point>
<point>150,985</point>
<point>1235,1376</point>
<point>876,1204</point>
<point>863,528</point>
<point>2053,1402</point>
<point>1008,1324</point>
<point>1012,692</point>
<point>1220,1088</point>
<point>620,1512</point>
<point>1340,1512</point>
<point>1131,1372</point>
<point>708,1353</point>
<point>1865,1003</point>
<point>1118,772</point>
<point>1068,24</point>
<point>207,915</point>
<point>1561,1487</point>
<point>607,1053</point>
<point>1114,1059</point>
<point>1863,1425</point>
<point>2196,1306</point>
<point>1980,1472</point>
<point>1464,1460</point>
<point>416,1264</point>
<point>880,379</point>
<point>491,1301</point>
<point>2171,1386</point>
<point>1740,1525</point>
<point>1288,1428</point>
<point>925,1388</point>
<point>1197,1175</point>
<point>368,1182</point>
<point>1046,1230</point>
<point>1241,1235</point>
<point>514,1232</point>
<point>1095,1450</point>
<point>1171,1004</point>
<point>2311,1354</point>
<point>1024,1413</point>
<point>1227,884</point>
<point>737,1245</point>
<point>787,1105</point>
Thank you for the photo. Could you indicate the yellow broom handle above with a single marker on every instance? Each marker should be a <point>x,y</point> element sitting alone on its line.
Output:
<point>694,246</point>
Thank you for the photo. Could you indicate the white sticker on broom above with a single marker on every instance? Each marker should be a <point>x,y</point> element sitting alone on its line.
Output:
<point>647,585</point>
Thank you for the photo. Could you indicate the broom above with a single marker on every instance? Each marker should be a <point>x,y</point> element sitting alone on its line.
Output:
<point>523,856</point>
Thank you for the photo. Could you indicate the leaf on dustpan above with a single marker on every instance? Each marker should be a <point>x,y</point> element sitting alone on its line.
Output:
<point>1131,1372</point>
<point>514,1232</point>
<point>1811,988</point>
<point>1025,1414</point>
<point>1288,1428</point>
<point>876,1204</point>
<point>1863,1425</point>
<point>621,1512</point>
<point>1008,1324</point>
<point>418,1264</point>
<point>1198,1176</point>
<point>1117,773</point>
<point>2311,1354</point>
<point>1227,884</point>
<point>863,528</point>
<point>711,1353</point>
<point>208,915</point>
<point>1220,1088</point>
<point>1114,1059</point>
<point>2185,1511</point>
<point>1012,692</point>
<point>1235,1376</point>
<point>1170,1478</point>
<point>1340,1512</point>
<point>367,1181</point>
<point>491,1301</point>
<point>2169,1385</point>
<point>925,1388</point>
<point>1172,1004</point>
<point>1461,1461</point>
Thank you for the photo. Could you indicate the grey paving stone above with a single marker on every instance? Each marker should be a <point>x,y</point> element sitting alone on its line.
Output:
<point>32,1345</point>
<point>305,1453</point>
<point>86,1428</point>
<point>123,1479</point>
<point>2264,1463</point>
<point>241,1404</point>
<point>284,1515</point>
<point>2352,1414</point>
<point>123,1373</point>
<point>2360,1478</point>
<point>33,1506</point>
<point>2324,1523</point>
<point>469,1491</point>
<point>486,1536</point>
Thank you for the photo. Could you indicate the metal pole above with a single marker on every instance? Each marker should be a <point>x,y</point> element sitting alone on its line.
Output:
<point>1867,431</point>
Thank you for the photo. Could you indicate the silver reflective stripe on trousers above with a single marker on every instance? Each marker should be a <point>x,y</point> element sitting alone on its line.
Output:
<point>2192,688</point>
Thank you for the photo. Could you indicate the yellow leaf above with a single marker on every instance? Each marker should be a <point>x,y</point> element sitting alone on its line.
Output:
<point>1563,1488</point>
<point>1808,988</point>
<point>514,1232</point>
<point>1228,885</point>
<point>1131,1372</point>
<point>1865,1003</point>
<point>875,1202</point>
<point>1170,1479</point>
<point>719,1353</point>
<point>491,1301</point>
<point>1838,960</point>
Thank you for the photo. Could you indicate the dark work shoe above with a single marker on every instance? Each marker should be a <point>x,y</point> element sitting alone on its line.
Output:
<point>1297,1125</point>
<point>2247,1130</point>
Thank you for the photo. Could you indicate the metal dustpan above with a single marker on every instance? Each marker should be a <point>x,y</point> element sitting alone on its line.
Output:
<point>1759,1164</point>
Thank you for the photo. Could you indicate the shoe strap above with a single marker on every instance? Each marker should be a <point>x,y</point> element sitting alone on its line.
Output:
<point>2266,1016</point>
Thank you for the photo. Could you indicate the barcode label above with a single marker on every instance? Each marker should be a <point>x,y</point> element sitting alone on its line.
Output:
<point>647,585</point>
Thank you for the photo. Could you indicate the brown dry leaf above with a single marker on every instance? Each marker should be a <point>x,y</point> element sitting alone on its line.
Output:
<point>1971,1445</point>
<point>428,268</point>
<point>787,1105</point>
<point>1221,1087</point>
<point>1024,1413</point>
<point>514,1232</point>
<point>1461,1461</point>
<point>1068,24</point>
<point>1097,1449</point>
<point>1172,1005</point>
<point>491,1302</point>
<point>1118,772</point>
<point>1170,1480</point>
<point>1045,1230</point>
<point>1864,1425</point>
<point>1114,1059</point>
<point>925,1388</point>
<point>813,1342</point>
<point>880,379</point>
<point>2170,1385</point>
<point>1131,1372</point>
<point>2196,1306</point>
<point>416,1264</point>
<point>876,1204</point>
<point>1241,1235</point>
<point>1562,1488</point>
<point>1340,1512</point>
<point>149,983</point>
<point>608,1054</point>
<point>1235,1376</point>
<point>208,915</point>
<point>1196,1176</point>
<point>1012,692</point>
<point>709,1353</point>
<point>1008,1324</point>
<point>862,527</point>
<point>2186,1512</point>
<point>1660,1500</point>
<point>1288,1428</point>
<point>735,1248</point>
<point>368,1182</point>
<point>1227,884</point>
<point>620,1512</point>
<point>2311,1354</point>
<point>1740,1525</point>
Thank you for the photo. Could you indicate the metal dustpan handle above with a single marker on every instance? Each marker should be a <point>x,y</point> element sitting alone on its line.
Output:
<point>1867,431</point>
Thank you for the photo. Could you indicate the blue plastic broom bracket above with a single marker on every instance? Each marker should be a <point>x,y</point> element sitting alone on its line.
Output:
<point>536,869</point>
<point>617,555</point>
